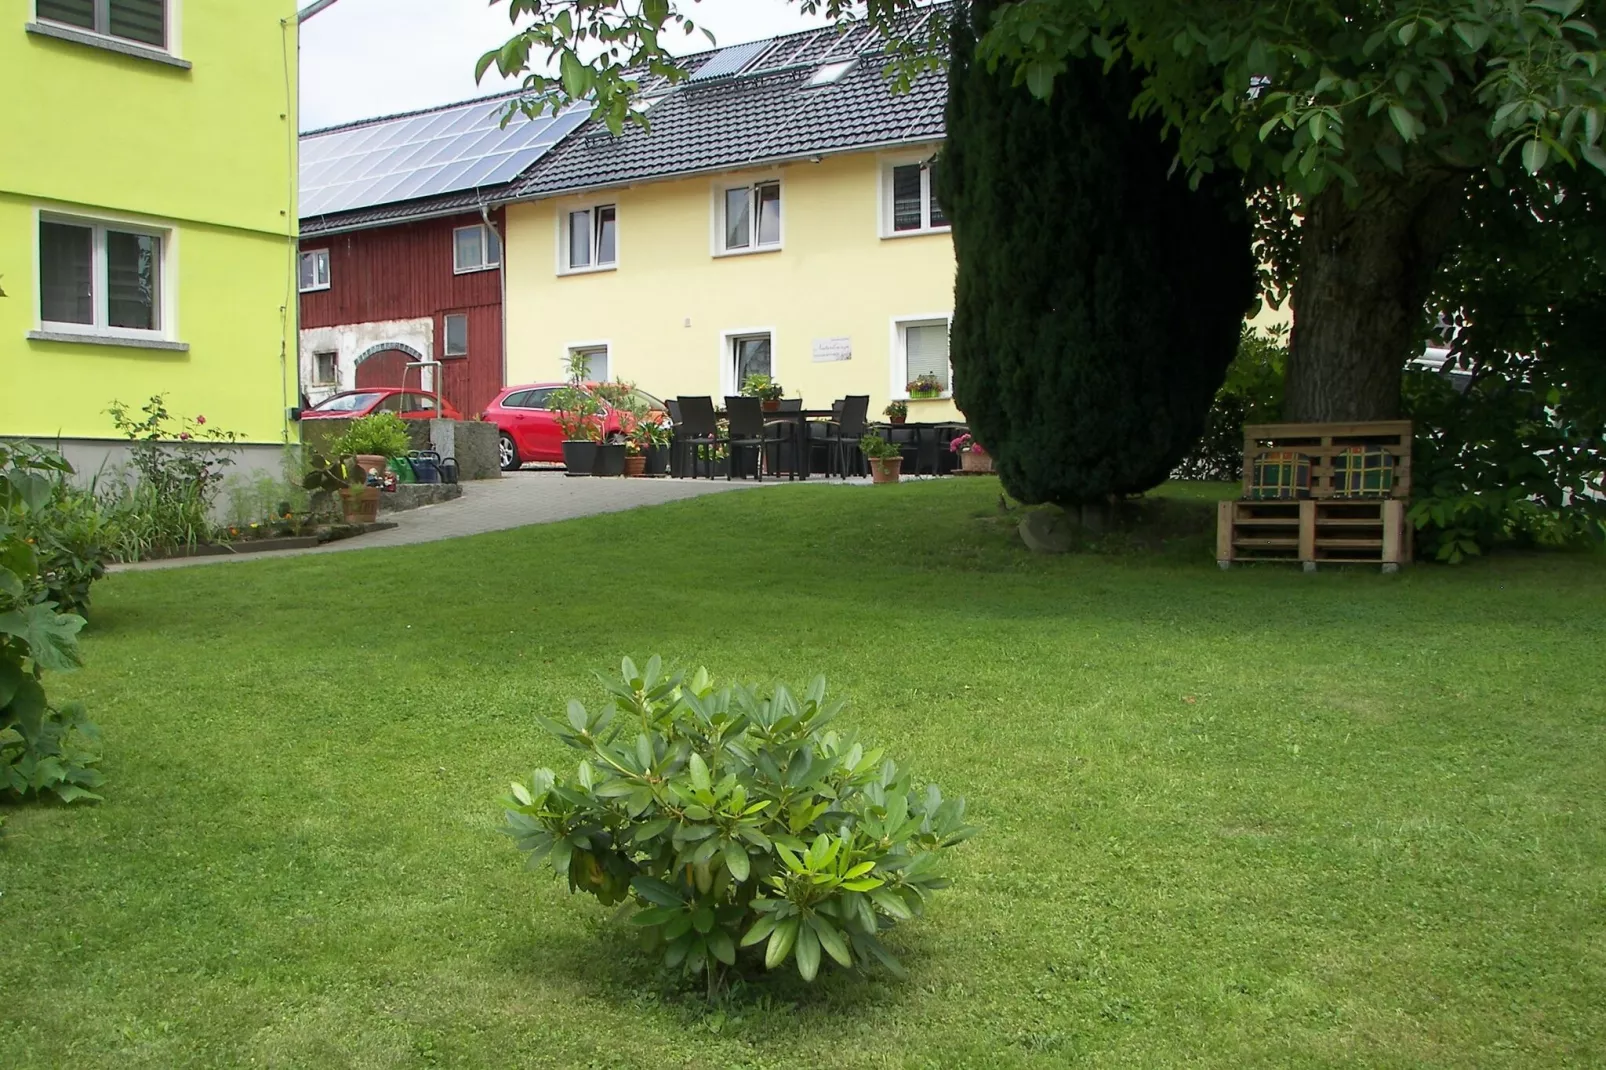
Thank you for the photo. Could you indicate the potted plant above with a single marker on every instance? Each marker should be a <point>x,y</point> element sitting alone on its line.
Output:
<point>346,477</point>
<point>374,441</point>
<point>660,434</point>
<point>612,454</point>
<point>897,412</point>
<point>885,457</point>
<point>972,457</point>
<point>926,386</point>
<point>767,390</point>
<point>636,422</point>
<point>579,418</point>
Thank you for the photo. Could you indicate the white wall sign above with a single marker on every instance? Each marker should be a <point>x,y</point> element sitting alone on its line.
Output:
<point>827,350</point>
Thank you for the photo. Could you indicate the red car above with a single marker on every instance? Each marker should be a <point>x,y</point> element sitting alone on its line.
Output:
<point>408,404</point>
<point>529,430</point>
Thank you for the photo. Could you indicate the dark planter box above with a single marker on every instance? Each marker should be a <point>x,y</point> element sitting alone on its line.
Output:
<point>610,461</point>
<point>580,457</point>
<point>657,460</point>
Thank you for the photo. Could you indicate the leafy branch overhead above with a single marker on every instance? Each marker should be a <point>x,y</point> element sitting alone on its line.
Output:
<point>1309,92</point>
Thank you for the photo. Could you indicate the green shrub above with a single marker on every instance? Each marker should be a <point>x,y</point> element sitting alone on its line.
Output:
<point>732,818</point>
<point>177,466</point>
<point>1252,394</point>
<point>384,434</point>
<point>42,748</point>
<point>75,536</point>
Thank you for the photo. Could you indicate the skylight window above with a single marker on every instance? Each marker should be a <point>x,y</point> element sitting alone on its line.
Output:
<point>831,73</point>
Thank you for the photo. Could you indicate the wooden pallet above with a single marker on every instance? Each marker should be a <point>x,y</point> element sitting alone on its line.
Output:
<point>1320,528</point>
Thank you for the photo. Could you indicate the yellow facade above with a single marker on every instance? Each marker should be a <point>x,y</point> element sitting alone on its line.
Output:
<point>195,146</point>
<point>669,308</point>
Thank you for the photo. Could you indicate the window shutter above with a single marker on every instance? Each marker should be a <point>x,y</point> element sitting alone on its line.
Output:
<point>140,20</point>
<point>926,351</point>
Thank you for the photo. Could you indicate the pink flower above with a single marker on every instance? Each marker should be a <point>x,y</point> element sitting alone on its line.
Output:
<point>200,420</point>
<point>184,436</point>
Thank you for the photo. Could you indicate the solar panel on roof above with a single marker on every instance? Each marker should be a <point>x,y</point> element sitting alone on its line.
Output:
<point>730,60</point>
<point>414,156</point>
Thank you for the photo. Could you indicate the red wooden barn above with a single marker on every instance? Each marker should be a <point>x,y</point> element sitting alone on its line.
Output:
<point>401,275</point>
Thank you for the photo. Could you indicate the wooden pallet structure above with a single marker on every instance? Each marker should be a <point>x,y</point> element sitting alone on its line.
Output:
<point>1325,527</point>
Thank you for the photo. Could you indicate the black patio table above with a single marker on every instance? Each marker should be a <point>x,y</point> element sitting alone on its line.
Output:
<point>799,419</point>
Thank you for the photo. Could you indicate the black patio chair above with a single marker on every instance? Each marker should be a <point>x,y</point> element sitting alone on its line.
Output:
<point>674,430</point>
<point>745,417</point>
<point>842,436</point>
<point>781,433</point>
<point>698,429</point>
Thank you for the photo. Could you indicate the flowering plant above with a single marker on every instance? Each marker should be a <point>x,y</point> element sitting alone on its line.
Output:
<point>927,385</point>
<point>965,444</point>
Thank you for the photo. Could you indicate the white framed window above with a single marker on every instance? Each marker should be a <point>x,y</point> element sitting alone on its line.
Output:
<point>475,248</point>
<point>314,270</point>
<point>323,368</point>
<point>909,203</point>
<point>590,239</point>
<point>455,330</point>
<point>746,352</point>
<point>105,278</point>
<point>144,22</point>
<point>920,348</point>
<point>599,368</point>
<point>748,218</point>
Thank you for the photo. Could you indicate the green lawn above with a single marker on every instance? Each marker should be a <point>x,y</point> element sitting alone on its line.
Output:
<point>1254,818</point>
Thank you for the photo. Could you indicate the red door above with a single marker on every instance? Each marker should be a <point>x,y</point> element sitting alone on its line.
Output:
<point>384,369</point>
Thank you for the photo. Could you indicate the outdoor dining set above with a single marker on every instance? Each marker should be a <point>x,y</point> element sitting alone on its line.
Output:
<point>751,438</point>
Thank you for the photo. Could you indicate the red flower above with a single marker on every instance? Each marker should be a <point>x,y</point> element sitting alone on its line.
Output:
<point>200,419</point>
<point>184,436</point>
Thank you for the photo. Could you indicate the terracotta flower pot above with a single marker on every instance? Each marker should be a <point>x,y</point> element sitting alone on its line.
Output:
<point>896,421</point>
<point>360,504</point>
<point>772,405</point>
<point>635,464</point>
<point>975,461</point>
<point>371,461</point>
<point>885,469</point>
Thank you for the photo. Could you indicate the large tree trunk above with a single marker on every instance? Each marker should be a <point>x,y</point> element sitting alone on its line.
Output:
<point>1364,275</point>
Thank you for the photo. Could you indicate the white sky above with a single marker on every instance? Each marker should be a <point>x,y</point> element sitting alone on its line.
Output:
<point>362,58</point>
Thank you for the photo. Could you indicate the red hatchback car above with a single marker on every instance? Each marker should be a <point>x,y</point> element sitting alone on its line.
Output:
<point>529,430</point>
<point>408,404</point>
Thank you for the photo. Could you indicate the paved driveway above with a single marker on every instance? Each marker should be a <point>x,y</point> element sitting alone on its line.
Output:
<point>515,500</point>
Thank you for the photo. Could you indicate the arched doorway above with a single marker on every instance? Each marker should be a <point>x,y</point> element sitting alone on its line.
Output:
<point>386,365</point>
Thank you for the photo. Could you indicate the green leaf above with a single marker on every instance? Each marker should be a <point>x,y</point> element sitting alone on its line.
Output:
<point>1596,157</point>
<point>11,678</point>
<point>520,792</point>
<point>1473,34</point>
<point>1040,79</point>
<point>1404,121</point>
<point>28,707</point>
<point>830,939</point>
<point>761,929</point>
<point>51,637</point>
<point>1407,33</point>
<point>808,954</point>
<point>699,772</point>
<point>891,904</point>
<point>1534,155</point>
<point>577,715</point>
<point>719,942</point>
<point>736,861</point>
<point>702,919</point>
<point>781,942</point>
<point>656,891</point>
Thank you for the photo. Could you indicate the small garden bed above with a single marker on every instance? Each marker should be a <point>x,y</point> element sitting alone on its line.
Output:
<point>252,544</point>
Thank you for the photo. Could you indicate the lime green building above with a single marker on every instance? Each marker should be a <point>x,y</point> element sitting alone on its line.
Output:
<point>147,215</point>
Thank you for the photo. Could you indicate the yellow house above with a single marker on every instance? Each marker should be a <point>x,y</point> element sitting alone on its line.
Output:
<point>779,217</point>
<point>147,215</point>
